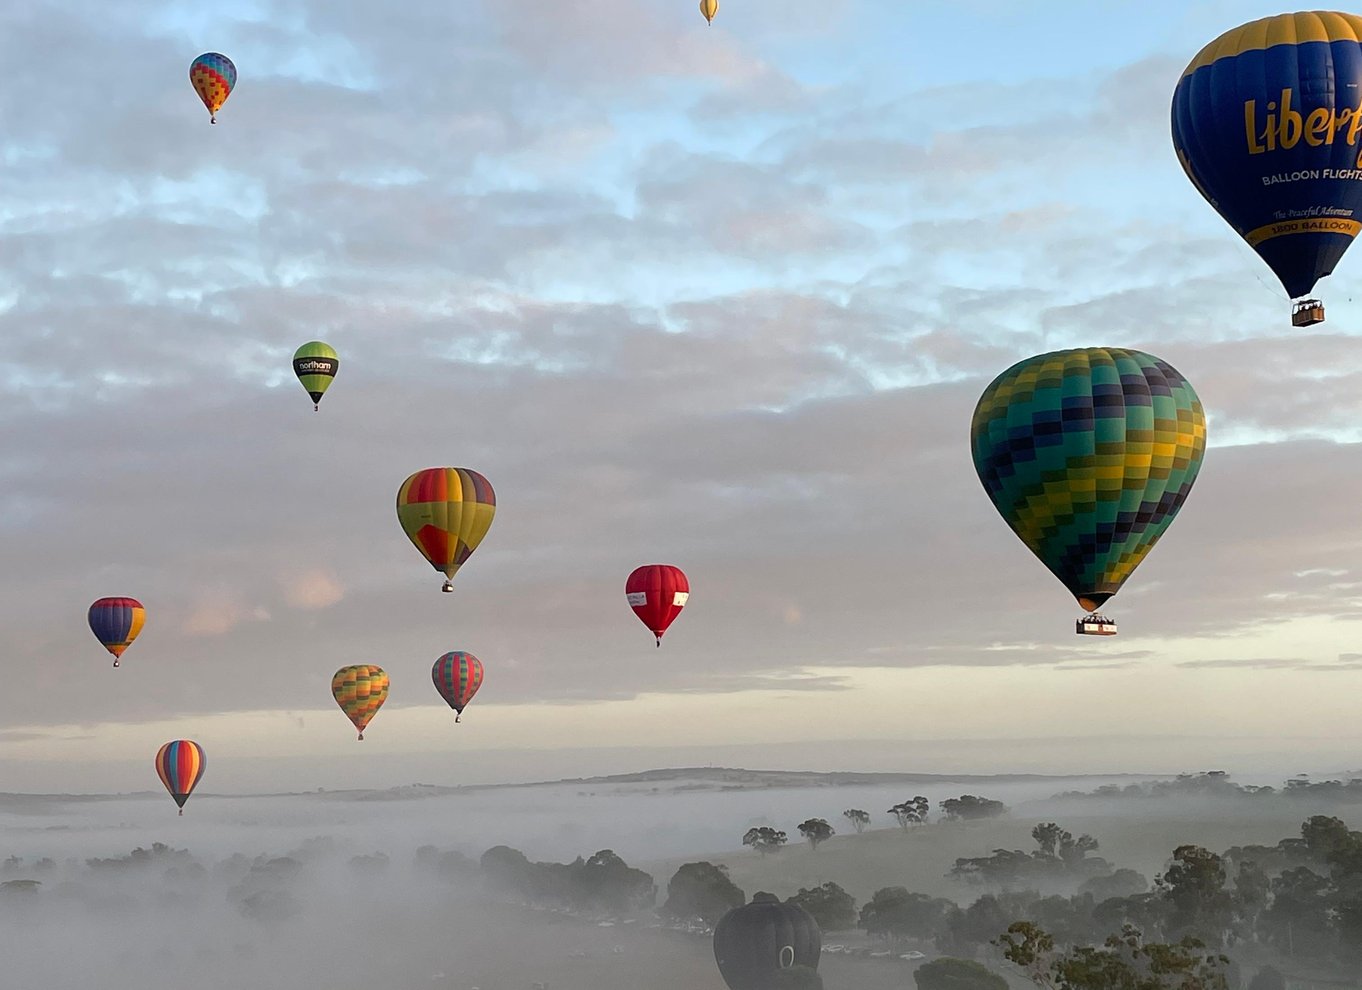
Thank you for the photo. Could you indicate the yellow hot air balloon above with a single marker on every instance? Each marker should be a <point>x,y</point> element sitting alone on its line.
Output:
<point>709,8</point>
<point>360,690</point>
<point>446,512</point>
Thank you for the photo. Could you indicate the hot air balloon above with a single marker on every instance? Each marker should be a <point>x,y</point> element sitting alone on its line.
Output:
<point>360,690</point>
<point>709,8</point>
<point>1088,455</point>
<point>180,766</point>
<point>116,623</point>
<point>1267,122</point>
<point>657,593</point>
<point>315,364</point>
<point>213,77</point>
<point>753,943</point>
<point>446,512</point>
<point>457,677</point>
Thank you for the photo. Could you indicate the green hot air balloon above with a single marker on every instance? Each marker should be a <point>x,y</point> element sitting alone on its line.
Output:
<point>315,364</point>
<point>1088,455</point>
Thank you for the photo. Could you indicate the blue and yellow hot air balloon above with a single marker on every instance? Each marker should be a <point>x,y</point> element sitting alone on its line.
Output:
<point>116,623</point>
<point>1088,455</point>
<point>213,77</point>
<point>1267,122</point>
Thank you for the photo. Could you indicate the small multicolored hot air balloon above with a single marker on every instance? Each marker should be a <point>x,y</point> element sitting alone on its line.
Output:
<point>180,765</point>
<point>116,623</point>
<point>457,677</point>
<point>657,593</point>
<point>446,512</point>
<point>1088,455</point>
<point>213,77</point>
<point>360,690</point>
<point>1267,123</point>
<point>315,364</point>
<point>709,8</point>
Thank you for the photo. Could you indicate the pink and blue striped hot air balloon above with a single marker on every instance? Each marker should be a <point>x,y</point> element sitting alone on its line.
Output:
<point>457,676</point>
<point>213,77</point>
<point>180,764</point>
<point>116,623</point>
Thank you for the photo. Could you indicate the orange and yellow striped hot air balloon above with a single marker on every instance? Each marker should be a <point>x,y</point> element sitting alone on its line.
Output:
<point>360,690</point>
<point>709,8</point>
<point>446,512</point>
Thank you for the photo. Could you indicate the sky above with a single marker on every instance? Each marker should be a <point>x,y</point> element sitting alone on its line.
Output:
<point>719,296</point>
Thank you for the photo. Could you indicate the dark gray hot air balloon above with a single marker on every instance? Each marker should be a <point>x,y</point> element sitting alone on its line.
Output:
<point>753,943</point>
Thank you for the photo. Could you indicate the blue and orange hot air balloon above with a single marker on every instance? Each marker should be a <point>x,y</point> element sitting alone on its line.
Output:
<point>1267,123</point>
<point>457,676</point>
<point>446,512</point>
<point>213,77</point>
<point>116,623</point>
<point>657,593</point>
<point>180,764</point>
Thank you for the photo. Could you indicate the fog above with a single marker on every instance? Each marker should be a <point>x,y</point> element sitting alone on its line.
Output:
<point>335,889</point>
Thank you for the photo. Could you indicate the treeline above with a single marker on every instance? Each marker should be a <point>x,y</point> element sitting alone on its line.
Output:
<point>914,811</point>
<point>1217,784</point>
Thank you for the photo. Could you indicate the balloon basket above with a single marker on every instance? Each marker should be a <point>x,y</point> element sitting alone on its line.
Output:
<point>1307,313</point>
<point>1095,625</point>
<point>447,587</point>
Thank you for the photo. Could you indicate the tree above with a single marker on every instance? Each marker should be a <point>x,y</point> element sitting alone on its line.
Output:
<point>816,830</point>
<point>1122,962</point>
<point>858,818</point>
<point>1194,886</point>
<point>894,913</point>
<point>701,890</point>
<point>967,807</point>
<point>948,973</point>
<point>1122,883</point>
<point>764,839</point>
<point>831,906</point>
<point>913,812</point>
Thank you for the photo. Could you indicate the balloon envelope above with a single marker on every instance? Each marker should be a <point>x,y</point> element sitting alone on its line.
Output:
<point>360,690</point>
<point>657,593</point>
<point>1267,122</point>
<point>753,943</point>
<point>180,765</point>
<point>709,8</point>
<point>1088,455</point>
<point>446,512</point>
<point>315,364</point>
<point>116,623</point>
<point>213,77</point>
<point>457,676</point>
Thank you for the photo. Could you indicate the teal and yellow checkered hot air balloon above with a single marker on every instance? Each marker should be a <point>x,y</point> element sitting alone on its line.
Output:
<point>1088,455</point>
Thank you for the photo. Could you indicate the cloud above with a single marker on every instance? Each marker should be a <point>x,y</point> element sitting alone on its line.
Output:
<point>313,589</point>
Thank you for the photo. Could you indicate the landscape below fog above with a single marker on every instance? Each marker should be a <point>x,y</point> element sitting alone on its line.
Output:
<point>421,886</point>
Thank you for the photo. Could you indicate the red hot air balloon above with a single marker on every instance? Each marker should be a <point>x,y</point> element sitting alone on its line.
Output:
<point>657,593</point>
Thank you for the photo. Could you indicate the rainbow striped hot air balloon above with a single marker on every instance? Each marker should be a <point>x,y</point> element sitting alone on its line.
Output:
<point>213,77</point>
<point>457,676</point>
<point>446,512</point>
<point>180,765</point>
<point>116,623</point>
<point>360,690</point>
